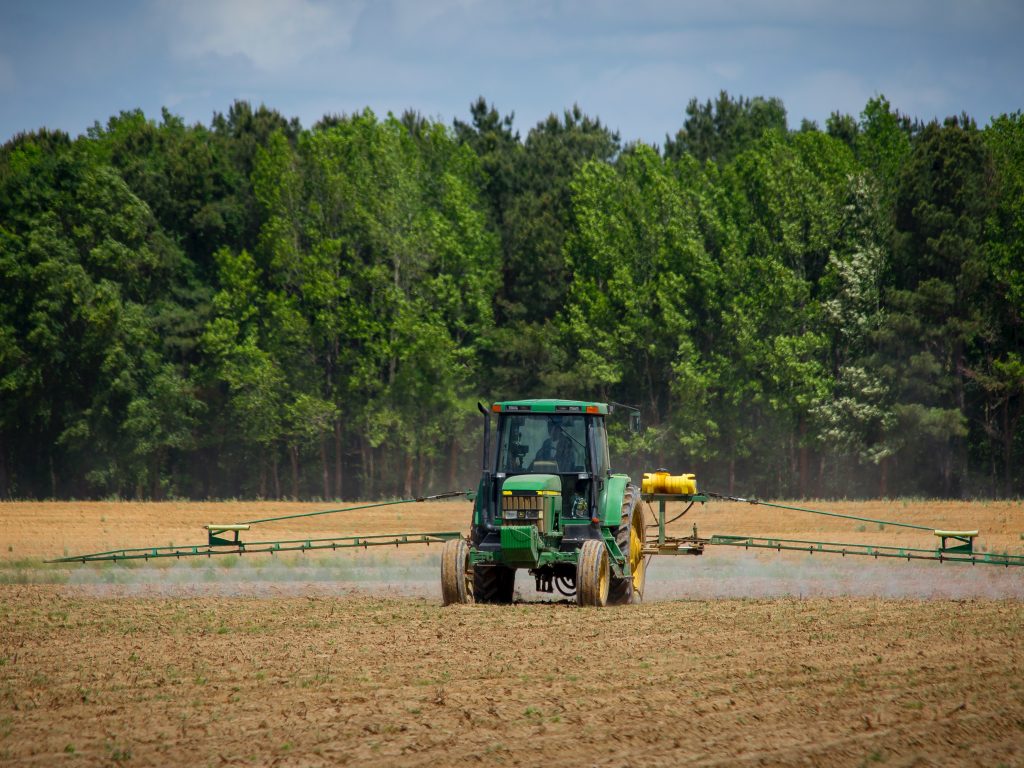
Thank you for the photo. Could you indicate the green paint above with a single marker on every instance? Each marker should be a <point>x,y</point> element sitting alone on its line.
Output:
<point>520,545</point>
<point>353,509</point>
<point>262,547</point>
<point>532,483</point>
<point>951,555</point>
<point>552,406</point>
<point>609,501</point>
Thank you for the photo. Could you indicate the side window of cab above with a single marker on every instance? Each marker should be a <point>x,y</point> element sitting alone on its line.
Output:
<point>599,439</point>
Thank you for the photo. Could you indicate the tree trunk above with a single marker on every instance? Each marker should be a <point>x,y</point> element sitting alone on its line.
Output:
<point>294,451</point>
<point>275,475</point>
<point>453,458</point>
<point>323,467</point>
<point>5,491</point>
<point>53,478</point>
<point>1007,450</point>
<point>208,465</point>
<point>154,476</point>
<point>792,481</point>
<point>804,460</point>
<point>338,490</point>
<point>732,476</point>
<point>883,477</point>
<point>947,469</point>
<point>410,462</point>
<point>364,469</point>
<point>371,481</point>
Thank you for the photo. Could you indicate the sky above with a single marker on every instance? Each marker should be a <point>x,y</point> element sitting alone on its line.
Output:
<point>635,65</point>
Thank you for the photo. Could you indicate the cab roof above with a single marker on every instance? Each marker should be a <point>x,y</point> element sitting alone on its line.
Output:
<point>550,406</point>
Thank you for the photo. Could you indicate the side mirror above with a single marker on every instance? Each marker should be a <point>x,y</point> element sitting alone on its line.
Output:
<point>634,416</point>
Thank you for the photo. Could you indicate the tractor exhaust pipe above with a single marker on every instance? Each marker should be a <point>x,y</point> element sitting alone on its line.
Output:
<point>487,436</point>
<point>487,482</point>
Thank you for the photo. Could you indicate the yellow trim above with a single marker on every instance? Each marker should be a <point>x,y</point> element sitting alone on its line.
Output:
<point>961,534</point>
<point>229,527</point>
<point>506,493</point>
<point>636,551</point>
<point>549,493</point>
<point>603,581</point>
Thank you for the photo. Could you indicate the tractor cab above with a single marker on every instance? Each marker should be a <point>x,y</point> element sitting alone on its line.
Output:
<point>559,452</point>
<point>551,467</point>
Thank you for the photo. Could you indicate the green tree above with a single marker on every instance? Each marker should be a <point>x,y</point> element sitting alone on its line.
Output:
<point>83,262</point>
<point>641,281</point>
<point>857,418</point>
<point>938,265</point>
<point>721,130</point>
<point>375,243</point>
<point>534,228</point>
<point>997,369</point>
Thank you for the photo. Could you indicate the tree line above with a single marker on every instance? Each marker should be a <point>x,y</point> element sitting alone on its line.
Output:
<point>258,309</point>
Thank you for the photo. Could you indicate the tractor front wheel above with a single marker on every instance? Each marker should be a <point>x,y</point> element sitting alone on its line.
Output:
<point>456,577</point>
<point>592,574</point>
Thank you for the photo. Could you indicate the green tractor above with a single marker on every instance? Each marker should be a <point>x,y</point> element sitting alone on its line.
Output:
<point>550,504</point>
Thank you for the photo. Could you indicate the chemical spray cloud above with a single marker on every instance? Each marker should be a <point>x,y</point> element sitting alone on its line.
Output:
<point>729,575</point>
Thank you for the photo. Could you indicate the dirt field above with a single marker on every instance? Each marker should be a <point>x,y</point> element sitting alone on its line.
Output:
<point>735,658</point>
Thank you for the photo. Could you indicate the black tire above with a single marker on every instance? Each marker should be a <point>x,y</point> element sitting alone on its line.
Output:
<point>622,591</point>
<point>456,579</point>
<point>592,572</point>
<point>493,583</point>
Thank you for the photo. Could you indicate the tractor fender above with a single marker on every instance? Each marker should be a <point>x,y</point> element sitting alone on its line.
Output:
<point>609,502</point>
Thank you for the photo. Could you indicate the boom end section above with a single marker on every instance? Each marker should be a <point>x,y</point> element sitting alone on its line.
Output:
<point>214,529</point>
<point>963,541</point>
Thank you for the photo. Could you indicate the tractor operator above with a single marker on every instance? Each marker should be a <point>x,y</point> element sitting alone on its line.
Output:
<point>558,447</point>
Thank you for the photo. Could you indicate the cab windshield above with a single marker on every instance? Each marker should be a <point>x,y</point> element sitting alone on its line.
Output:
<point>542,443</point>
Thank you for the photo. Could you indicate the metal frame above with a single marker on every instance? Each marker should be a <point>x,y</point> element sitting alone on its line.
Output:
<point>961,551</point>
<point>942,555</point>
<point>262,547</point>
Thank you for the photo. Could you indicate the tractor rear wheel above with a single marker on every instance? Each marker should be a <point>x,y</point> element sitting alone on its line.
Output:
<point>456,578</point>
<point>493,583</point>
<point>630,538</point>
<point>592,574</point>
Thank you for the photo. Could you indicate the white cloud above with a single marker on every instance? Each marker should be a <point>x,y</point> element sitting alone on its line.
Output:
<point>413,15</point>
<point>273,35</point>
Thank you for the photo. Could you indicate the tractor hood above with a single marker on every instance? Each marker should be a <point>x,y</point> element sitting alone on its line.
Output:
<point>542,485</point>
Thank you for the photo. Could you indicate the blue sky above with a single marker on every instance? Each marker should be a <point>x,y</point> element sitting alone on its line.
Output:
<point>633,64</point>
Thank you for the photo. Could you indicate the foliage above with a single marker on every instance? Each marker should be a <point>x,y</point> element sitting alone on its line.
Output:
<point>254,308</point>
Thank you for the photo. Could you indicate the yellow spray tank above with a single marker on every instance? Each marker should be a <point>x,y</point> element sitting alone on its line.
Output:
<point>661,481</point>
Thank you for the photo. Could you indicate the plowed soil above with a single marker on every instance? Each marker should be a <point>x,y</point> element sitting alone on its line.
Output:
<point>734,659</point>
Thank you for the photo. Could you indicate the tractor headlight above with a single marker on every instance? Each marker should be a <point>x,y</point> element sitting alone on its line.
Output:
<point>527,515</point>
